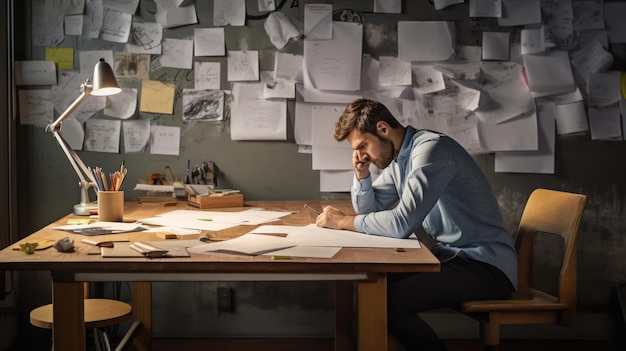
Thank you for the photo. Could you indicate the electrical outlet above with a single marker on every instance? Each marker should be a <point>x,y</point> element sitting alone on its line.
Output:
<point>225,299</point>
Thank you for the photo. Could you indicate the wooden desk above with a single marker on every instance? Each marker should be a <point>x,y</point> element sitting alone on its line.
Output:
<point>367,266</point>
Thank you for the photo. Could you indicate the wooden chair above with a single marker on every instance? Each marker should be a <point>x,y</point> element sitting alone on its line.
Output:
<point>99,313</point>
<point>547,211</point>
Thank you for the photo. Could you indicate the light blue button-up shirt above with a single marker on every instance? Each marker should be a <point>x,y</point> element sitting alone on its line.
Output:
<point>435,183</point>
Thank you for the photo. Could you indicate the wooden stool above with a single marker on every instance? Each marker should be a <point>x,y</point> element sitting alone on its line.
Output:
<point>99,313</point>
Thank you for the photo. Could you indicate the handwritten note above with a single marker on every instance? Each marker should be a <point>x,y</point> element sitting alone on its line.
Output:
<point>63,57</point>
<point>209,42</point>
<point>165,140</point>
<point>136,135</point>
<point>177,53</point>
<point>102,135</point>
<point>207,75</point>
<point>243,65</point>
<point>35,107</point>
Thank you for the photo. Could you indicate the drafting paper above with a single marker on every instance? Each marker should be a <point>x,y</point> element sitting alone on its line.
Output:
<point>388,6</point>
<point>571,118</point>
<point>115,26</point>
<point>157,97</point>
<point>495,46</point>
<point>336,64</point>
<point>177,53</point>
<point>145,38</point>
<point>73,24</point>
<point>35,73</point>
<point>505,94</point>
<point>126,6</point>
<point>35,107</point>
<point>288,67</point>
<point>604,88</point>
<point>425,40</point>
<point>62,57</point>
<point>427,80</point>
<point>615,18</point>
<point>92,21</point>
<point>203,105</point>
<point>605,122</point>
<point>227,12</point>
<point>103,135</point>
<point>164,140</point>
<point>207,75</point>
<point>73,133</point>
<point>136,134</point>
<point>318,24</point>
<point>539,161</point>
<point>122,105</point>
<point>209,42</point>
<point>280,29</point>
<point>302,124</point>
<point>588,14</point>
<point>485,8</point>
<point>519,12</point>
<point>243,66</point>
<point>312,235</point>
<point>336,181</point>
<point>516,134</point>
<point>394,71</point>
<point>254,118</point>
<point>170,17</point>
<point>550,73</point>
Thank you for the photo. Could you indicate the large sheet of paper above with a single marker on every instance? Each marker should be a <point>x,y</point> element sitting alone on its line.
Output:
<point>539,161</point>
<point>520,133</point>
<point>213,220</point>
<point>425,40</point>
<point>255,118</point>
<point>312,235</point>
<point>336,64</point>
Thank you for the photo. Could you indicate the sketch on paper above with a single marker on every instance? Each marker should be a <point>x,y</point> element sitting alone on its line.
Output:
<point>133,66</point>
<point>203,105</point>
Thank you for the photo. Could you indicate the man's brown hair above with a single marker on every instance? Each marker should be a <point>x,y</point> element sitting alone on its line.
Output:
<point>363,114</point>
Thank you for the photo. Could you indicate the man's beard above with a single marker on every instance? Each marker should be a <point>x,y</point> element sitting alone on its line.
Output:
<point>387,152</point>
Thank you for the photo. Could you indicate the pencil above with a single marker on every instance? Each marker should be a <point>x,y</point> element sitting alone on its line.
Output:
<point>311,209</point>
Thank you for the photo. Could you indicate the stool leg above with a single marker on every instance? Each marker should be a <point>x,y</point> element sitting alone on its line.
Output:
<point>101,340</point>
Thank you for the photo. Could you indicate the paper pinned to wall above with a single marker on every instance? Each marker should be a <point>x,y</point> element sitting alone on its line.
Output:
<point>394,71</point>
<point>550,73</point>
<point>136,134</point>
<point>35,107</point>
<point>243,66</point>
<point>605,122</point>
<point>520,12</point>
<point>145,38</point>
<point>209,42</point>
<point>207,75</point>
<point>122,105</point>
<point>571,118</point>
<point>336,64</point>
<point>170,17</point>
<point>227,12</point>
<point>103,135</point>
<point>255,118</point>
<point>318,24</point>
<point>425,40</point>
<point>36,72</point>
<point>177,53</point>
<point>157,97</point>
<point>116,26</point>
<point>539,161</point>
<point>164,140</point>
<point>388,6</point>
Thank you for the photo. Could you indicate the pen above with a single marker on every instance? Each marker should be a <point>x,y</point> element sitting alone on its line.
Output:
<point>311,209</point>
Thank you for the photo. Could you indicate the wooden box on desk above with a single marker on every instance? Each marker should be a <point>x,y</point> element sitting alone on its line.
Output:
<point>215,200</point>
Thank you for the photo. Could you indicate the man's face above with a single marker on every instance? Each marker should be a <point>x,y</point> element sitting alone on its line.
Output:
<point>377,149</point>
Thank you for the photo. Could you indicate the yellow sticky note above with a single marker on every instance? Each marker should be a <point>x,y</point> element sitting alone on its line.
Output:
<point>622,84</point>
<point>157,97</point>
<point>63,57</point>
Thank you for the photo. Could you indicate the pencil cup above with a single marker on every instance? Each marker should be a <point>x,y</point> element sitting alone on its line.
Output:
<point>111,206</point>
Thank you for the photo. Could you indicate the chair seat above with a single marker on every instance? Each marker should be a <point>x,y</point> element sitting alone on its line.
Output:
<point>529,300</point>
<point>98,313</point>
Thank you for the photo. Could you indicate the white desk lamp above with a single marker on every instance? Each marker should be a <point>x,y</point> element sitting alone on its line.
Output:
<point>104,84</point>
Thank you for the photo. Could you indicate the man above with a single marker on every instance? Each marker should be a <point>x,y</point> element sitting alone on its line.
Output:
<point>428,181</point>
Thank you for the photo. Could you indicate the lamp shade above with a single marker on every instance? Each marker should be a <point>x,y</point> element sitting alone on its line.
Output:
<point>104,82</point>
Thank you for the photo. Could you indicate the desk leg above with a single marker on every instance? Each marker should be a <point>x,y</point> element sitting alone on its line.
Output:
<point>344,312</point>
<point>372,303</point>
<point>142,312</point>
<point>68,331</point>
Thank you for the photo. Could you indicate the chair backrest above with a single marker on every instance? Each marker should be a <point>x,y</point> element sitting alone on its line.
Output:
<point>553,212</point>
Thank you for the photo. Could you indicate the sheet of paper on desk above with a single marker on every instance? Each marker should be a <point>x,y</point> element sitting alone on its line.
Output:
<point>312,235</point>
<point>101,228</point>
<point>306,251</point>
<point>213,220</point>
<point>250,244</point>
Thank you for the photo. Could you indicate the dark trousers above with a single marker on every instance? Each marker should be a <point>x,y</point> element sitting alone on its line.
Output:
<point>460,279</point>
